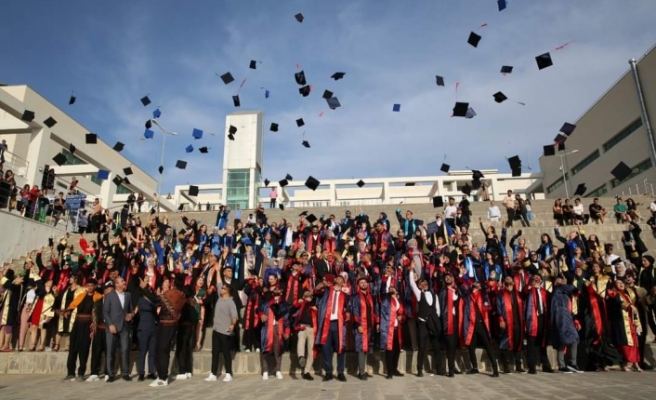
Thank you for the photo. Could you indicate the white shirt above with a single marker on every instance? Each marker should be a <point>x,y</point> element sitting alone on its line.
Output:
<point>427,295</point>
<point>334,314</point>
<point>493,212</point>
<point>121,298</point>
<point>30,296</point>
<point>579,210</point>
<point>450,212</point>
<point>396,305</point>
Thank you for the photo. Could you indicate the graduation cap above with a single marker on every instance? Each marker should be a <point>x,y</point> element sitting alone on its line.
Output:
<point>333,103</point>
<point>544,61</point>
<point>467,189</point>
<point>474,39</point>
<point>145,101</point>
<point>193,190</point>
<point>71,100</point>
<point>126,180</point>
<point>103,175</point>
<point>71,148</point>
<point>117,180</point>
<point>148,124</point>
<point>300,122</point>
<point>231,137</point>
<point>235,101</point>
<point>360,183</point>
<point>253,64</point>
<point>118,146</point>
<point>311,218</point>
<point>396,107</point>
<point>327,94</point>
<point>306,144</point>
<point>409,183</point>
<point>299,17</point>
<point>266,182</point>
<point>91,138</point>
<point>227,78</point>
<point>338,75</point>
<point>304,91</point>
<point>561,146</point>
<point>460,109</point>
<point>499,97</point>
<point>567,128</point>
<point>189,149</point>
<point>127,171</point>
<point>506,69</point>
<point>445,168</point>
<point>477,175</point>
<point>580,190</point>
<point>300,78</point>
<point>470,113</point>
<point>312,183</point>
<point>515,165</point>
<point>148,134</point>
<point>303,214</point>
<point>28,116</point>
<point>281,206</point>
<point>289,177</point>
<point>273,127</point>
<point>157,113</point>
<point>560,138</point>
<point>549,150</point>
<point>197,133</point>
<point>438,201</point>
<point>160,169</point>
<point>203,150</point>
<point>283,183</point>
<point>232,129</point>
<point>621,171</point>
<point>181,164</point>
<point>502,4</point>
<point>439,80</point>
<point>59,159</point>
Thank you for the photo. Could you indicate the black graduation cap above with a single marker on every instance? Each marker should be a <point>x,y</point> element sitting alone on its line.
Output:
<point>445,168</point>
<point>149,123</point>
<point>232,129</point>
<point>59,159</point>
<point>304,91</point>
<point>549,150</point>
<point>28,116</point>
<point>544,61</point>
<point>91,138</point>
<point>338,75</point>
<point>127,171</point>
<point>145,100</point>
<point>289,177</point>
<point>299,17</point>
<point>506,69</point>
<point>266,182</point>
<point>515,165</point>
<point>300,78</point>
<point>621,171</point>
<point>306,144</point>
<point>193,190</point>
<point>181,164</point>
<point>231,136</point>
<point>499,97</point>
<point>117,180</point>
<point>439,80</point>
<point>438,201</point>
<point>126,180</point>
<point>203,150</point>
<point>50,122</point>
<point>71,101</point>
<point>327,94</point>
<point>253,64</point>
<point>312,183</point>
<point>467,189</point>
<point>580,190</point>
<point>333,103</point>
<point>477,175</point>
<point>281,206</point>
<point>360,183</point>
<point>283,183</point>
<point>567,128</point>
<point>460,109</point>
<point>561,146</point>
<point>311,218</point>
<point>227,78</point>
<point>118,146</point>
<point>274,127</point>
<point>300,122</point>
<point>303,214</point>
<point>235,101</point>
<point>474,39</point>
<point>160,169</point>
<point>71,148</point>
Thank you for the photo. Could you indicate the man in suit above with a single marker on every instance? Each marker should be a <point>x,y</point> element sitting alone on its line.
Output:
<point>118,313</point>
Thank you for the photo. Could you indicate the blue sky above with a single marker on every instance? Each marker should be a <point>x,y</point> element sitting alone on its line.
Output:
<point>111,53</point>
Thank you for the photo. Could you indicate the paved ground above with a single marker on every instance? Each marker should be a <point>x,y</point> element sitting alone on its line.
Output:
<point>598,386</point>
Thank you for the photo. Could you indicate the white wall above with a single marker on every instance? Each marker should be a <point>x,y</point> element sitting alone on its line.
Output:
<point>19,236</point>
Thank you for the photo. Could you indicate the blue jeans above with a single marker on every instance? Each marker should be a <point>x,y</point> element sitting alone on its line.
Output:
<point>332,344</point>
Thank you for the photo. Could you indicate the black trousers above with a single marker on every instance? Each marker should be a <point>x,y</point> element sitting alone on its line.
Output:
<point>252,338</point>
<point>534,348</point>
<point>481,336</point>
<point>163,337</point>
<point>511,216</point>
<point>98,345</point>
<point>184,349</point>
<point>272,203</point>
<point>221,344</point>
<point>79,348</point>
<point>147,344</point>
<point>451,346</point>
<point>392,356</point>
<point>425,338</point>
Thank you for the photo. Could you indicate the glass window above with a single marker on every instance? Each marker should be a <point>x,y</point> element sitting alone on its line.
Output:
<point>94,179</point>
<point>598,192</point>
<point>120,189</point>
<point>637,170</point>
<point>624,133</point>
<point>71,159</point>
<point>585,162</point>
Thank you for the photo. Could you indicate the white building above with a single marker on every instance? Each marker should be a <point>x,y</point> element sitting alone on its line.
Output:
<point>33,145</point>
<point>242,168</point>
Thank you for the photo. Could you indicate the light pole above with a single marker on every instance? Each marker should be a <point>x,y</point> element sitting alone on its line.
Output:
<point>159,180</point>
<point>562,168</point>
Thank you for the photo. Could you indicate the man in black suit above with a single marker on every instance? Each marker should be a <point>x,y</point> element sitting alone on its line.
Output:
<point>118,314</point>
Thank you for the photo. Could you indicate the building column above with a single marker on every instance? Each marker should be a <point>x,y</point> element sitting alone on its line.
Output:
<point>34,152</point>
<point>440,188</point>
<point>252,188</point>
<point>492,190</point>
<point>333,195</point>
<point>385,195</point>
<point>107,190</point>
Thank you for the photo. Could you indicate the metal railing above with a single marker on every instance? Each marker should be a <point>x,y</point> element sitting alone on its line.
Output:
<point>645,188</point>
<point>18,165</point>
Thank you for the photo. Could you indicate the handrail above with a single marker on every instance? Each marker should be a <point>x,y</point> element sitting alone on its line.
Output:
<point>19,165</point>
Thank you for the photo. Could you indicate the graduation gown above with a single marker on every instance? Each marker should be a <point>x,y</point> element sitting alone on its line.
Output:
<point>325,308</point>
<point>512,337</point>
<point>277,321</point>
<point>364,315</point>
